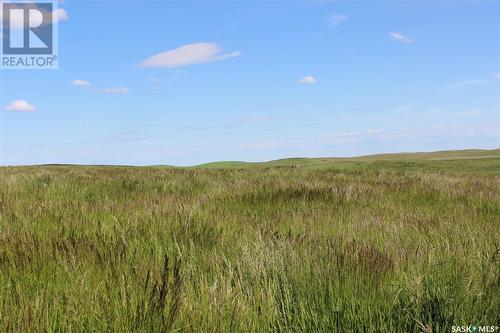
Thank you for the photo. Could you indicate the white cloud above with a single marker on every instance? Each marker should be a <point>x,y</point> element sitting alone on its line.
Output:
<point>81,83</point>
<point>17,21</point>
<point>308,80</point>
<point>399,37</point>
<point>59,15</point>
<point>197,53</point>
<point>441,126</point>
<point>115,90</point>
<point>342,135</point>
<point>336,19</point>
<point>20,105</point>
<point>373,131</point>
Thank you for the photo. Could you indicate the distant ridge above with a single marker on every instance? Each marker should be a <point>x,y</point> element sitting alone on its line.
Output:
<point>405,156</point>
<point>491,162</point>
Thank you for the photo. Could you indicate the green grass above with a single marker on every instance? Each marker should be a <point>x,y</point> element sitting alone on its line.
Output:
<point>374,244</point>
<point>472,160</point>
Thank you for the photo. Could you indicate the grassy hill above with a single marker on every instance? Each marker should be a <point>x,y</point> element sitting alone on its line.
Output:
<point>458,160</point>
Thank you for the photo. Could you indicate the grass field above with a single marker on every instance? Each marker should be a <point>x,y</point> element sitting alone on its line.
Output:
<point>388,243</point>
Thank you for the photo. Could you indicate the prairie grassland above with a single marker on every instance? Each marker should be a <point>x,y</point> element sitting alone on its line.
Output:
<point>385,248</point>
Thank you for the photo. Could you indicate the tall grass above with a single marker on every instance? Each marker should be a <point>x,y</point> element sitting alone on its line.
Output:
<point>247,250</point>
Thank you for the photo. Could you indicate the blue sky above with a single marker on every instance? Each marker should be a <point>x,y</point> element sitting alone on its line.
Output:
<point>187,82</point>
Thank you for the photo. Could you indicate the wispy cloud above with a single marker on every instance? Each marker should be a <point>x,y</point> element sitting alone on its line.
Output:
<point>468,83</point>
<point>342,138</point>
<point>373,131</point>
<point>476,82</point>
<point>81,83</point>
<point>191,54</point>
<point>20,105</point>
<point>126,136</point>
<point>438,110</point>
<point>452,131</point>
<point>108,90</point>
<point>254,119</point>
<point>249,120</point>
<point>155,81</point>
<point>446,126</point>
<point>401,38</point>
<point>336,19</point>
<point>308,80</point>
<point>112,90</point>
<point>404,109</point>
<point>464,113</point>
